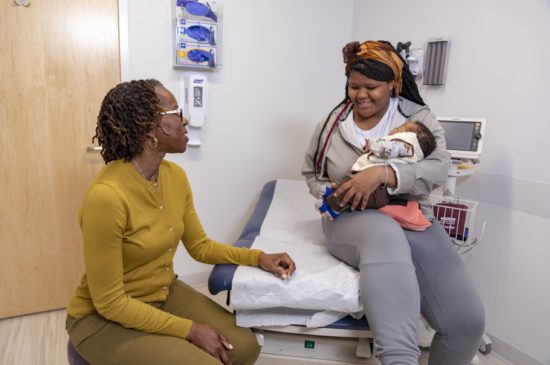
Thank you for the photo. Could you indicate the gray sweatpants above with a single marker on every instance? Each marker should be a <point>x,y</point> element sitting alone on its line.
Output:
<point>402,274</point>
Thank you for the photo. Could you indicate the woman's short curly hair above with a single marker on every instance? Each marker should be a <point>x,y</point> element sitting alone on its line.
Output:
<point>128,112</point>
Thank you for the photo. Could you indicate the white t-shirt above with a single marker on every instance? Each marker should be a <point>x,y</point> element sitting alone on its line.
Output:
<point>391,119</point>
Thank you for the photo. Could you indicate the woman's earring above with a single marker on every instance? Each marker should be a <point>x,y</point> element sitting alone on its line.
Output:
<point>391,92</point>
<point>153,142</point>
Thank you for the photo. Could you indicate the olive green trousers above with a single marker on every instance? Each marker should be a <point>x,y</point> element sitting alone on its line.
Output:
<point>103,342</point>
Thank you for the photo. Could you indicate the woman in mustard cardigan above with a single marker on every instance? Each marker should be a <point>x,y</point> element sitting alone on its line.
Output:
<point>129,307</point>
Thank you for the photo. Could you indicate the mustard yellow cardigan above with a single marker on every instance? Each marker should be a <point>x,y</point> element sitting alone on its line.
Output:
<point>130,236</point>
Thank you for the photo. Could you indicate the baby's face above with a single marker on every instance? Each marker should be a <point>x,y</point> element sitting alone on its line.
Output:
<point>405,127</point>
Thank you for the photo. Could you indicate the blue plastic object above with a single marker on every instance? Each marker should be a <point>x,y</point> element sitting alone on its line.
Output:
<point>197,8</point>
<point>201,33</point>
<point>325,207</point>
<point>198,55</point>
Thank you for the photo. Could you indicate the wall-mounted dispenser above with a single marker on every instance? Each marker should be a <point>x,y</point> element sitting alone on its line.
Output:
<point>193,92</point>
<point>436,61</point>
<point>415,60</point>
<point>414,57</point>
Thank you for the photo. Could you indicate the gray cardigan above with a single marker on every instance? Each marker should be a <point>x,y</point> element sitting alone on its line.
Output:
<point>414,181</point>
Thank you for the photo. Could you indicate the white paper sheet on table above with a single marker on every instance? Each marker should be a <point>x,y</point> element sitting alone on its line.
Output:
<point>321,291</point>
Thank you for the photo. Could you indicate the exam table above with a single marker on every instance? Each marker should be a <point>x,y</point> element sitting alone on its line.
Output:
<point>348,340</point>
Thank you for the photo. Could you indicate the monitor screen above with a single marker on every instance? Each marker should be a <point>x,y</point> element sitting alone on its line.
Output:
<point>460,136</point>
<point>464,137</point>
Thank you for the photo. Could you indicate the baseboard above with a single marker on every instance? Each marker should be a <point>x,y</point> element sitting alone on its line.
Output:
<point>510,353</point>
<point>196,279</point>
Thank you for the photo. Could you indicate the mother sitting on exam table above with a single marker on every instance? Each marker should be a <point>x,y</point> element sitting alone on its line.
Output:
<point>130,308</point>
<point>402,273</point>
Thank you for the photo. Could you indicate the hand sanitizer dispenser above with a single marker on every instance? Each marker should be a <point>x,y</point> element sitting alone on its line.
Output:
<point>196,100</point>
<point>194,93</point>
<point>415,60</point>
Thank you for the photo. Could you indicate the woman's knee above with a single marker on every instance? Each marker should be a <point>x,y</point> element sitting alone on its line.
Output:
<point>472,325</point>
<point>245,347</point>
<point>466,326</point>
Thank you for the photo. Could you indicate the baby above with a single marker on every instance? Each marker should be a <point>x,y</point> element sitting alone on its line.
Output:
<point>408,143</point>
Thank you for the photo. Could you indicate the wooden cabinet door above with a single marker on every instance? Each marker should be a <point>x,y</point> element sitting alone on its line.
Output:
<point>58,58</point>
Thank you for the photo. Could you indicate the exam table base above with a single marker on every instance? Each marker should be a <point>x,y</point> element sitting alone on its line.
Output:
<point>307,348</point>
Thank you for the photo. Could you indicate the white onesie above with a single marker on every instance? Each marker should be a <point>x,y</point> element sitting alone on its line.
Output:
<point>398,148</point>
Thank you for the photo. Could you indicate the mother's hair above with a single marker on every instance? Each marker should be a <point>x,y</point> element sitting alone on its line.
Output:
<point>375,65</point>
<point>128,112</point>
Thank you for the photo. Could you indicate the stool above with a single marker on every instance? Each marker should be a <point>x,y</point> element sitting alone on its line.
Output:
<point>74,356</point>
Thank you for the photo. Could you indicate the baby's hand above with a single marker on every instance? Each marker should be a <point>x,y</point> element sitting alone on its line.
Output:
<point>366,148</point>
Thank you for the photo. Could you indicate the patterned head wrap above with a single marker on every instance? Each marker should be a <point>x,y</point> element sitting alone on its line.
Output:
<point>375,55</point>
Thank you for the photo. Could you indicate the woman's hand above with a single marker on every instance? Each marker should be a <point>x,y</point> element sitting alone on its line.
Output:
<point>357,190</point>
<point>280,264</point>
<point>211,341</point>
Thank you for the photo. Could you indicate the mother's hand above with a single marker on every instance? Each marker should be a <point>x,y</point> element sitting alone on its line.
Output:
<point>360,186</point>
<point>280,264</point>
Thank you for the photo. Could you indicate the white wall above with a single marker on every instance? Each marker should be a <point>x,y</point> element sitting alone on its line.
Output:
<point>281,73</point>
<point>499,69</point>
<point>282,70</point>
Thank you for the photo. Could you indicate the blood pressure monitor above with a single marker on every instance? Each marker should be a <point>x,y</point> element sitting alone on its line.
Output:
<point>464,137</point>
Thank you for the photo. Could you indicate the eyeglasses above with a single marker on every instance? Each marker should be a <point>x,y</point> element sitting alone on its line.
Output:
<point>178,112</point>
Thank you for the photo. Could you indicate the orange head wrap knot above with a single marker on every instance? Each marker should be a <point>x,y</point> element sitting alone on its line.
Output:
<point>377,51</point>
